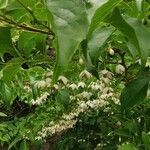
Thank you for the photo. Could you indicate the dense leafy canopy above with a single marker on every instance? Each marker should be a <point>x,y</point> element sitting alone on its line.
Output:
<point>41,41</point>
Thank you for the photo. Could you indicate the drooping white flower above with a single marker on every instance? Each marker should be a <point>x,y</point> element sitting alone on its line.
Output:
<point>63,79</point>
<point>85,74</point>
<point>41,84</point>
<point>120,69</point>
<point>55,86</point>
<point>85,95</point>
<point>111,51</point>
<point>73,86</point>
<point>81,85</point>
<point>49,74</point>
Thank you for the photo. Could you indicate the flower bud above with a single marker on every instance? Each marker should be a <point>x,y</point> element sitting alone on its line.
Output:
<point>120,69</point>
<point>81,62</point>
<point>111,51</point>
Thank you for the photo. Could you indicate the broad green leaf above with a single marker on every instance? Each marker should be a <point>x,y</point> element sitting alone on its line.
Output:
<point>101,13</point>
<point>6,93</point>
<point>139,4</point>
<point>26,43</point>
<point>131,29</point>
<point>94,47</point>
<point>3,3</point>
<point>5,41</point>
<point>118,21</point>
<point>135,92</point>
<point>143,37</point>
<point>11,69</point>
<point>71,27</point>
<point>127,147</point>
<point>24,146</point>
<point>146,140</point>
<point>14,142</point>
<point>96,41</point>
<point>2,114</point>
<point>63,98</point>
<point>94,5</point>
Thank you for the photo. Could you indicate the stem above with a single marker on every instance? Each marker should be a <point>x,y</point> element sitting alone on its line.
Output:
<point>26,27</point>
<point>32,14</point>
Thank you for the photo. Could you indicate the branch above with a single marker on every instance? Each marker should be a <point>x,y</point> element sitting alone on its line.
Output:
<point>26,27</point>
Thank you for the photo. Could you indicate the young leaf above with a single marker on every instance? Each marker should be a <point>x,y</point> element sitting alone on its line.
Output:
<point>101,13</point>
<point>11,68</point>
<point>5,41</point>
<point>131,29</point>
<point>6,93</point>
<point>24,145</point>
<point>3,4</point>
<point>127,147</point>
<point>146,140</point>
<point>2,114</point>
<point>135,92</point>
<point>71,26</point>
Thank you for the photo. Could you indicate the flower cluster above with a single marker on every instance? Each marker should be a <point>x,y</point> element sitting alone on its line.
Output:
<point>86,97</point>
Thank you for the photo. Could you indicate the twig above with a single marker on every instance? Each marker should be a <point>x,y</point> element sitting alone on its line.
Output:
<point>24,26</point>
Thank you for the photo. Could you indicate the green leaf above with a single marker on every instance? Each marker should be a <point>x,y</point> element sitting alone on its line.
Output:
<point>5,41</point>
<point>127,147</point>
<point>26,43</point>
<point>96,41</point>
<point>94,48</point>
<point>6,93</point>
<point>71,27</point>
<point>131,29</point>
<point>24,145</point>
<point>14,142</point>
<point>142,37</point>
<point>135,92</point>
<point>63,98</point>
<point>139,4</point>
<point>3,4</point>
<point>146,140</point>
<point>101,13</point>
<point>2,114</point>
<point>11,69</point>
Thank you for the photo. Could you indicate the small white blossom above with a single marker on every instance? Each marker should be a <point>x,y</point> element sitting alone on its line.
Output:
<point>41,84</point>
<point>55,86</point>
<point>63,79</point>
<point>111,51</point>
<point>85,74</point>
<point>73,86</point>
<point>120,69</point>
<point>81,84</point>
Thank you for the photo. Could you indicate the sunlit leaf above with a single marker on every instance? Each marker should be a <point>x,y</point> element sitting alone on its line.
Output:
<point>71,26</point>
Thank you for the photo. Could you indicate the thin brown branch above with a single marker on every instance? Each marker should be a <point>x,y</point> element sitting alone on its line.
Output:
<point>26,27</point>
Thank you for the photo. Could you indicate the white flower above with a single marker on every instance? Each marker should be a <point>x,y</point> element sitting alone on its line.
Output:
<point>27,88</point>
<point>81,62</point>
<point>49,74</point>
<point>41,84</point>
<point>85,94</point>
<point>85,74</point>
<point>83,106</point>
<point>95,86</point>
<point>81,84</point>
<point>56,87</point>
<point>106,74</point>
<point>120,69</point>
<point>40,99</point>
<point>111,51</point>
<point>63,79</point>
<point>73,86</point>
